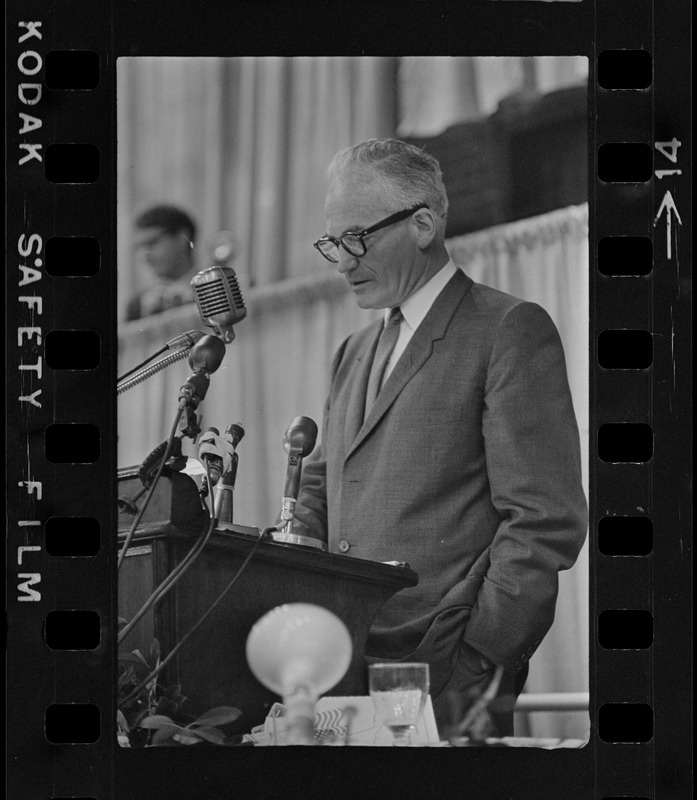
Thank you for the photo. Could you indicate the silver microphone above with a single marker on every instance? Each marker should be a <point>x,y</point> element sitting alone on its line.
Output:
<point>219,299</point>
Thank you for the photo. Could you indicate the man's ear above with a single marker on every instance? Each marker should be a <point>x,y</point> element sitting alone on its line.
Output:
<point>424,225</point>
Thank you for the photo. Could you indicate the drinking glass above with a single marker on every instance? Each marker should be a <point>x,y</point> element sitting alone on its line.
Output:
<point>399,694</point>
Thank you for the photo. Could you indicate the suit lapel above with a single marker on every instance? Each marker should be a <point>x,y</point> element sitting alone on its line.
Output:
<point>417,353</point>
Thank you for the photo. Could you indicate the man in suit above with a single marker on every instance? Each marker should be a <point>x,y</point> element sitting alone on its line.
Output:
<point>466,463</point>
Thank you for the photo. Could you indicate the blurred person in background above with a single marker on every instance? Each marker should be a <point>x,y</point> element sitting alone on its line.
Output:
<point>164,244</point>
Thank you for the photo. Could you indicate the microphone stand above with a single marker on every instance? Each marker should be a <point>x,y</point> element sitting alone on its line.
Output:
<point>183,341</point>
<point>152,369</point>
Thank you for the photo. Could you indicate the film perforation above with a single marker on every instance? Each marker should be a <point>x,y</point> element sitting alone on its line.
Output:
<point>625,442</point>
<point>625,536</point>
<point>72,443</point>
<point>72,256</point>
<point>625,69</point>
<point>72,629</point>
<point>72,70</point>
<point>72,537</point>
<point>72,723</point>
<point>625,162</point>
<point>625,629</point>
<point>626,723</point>
<point>72,350</point>
<point>72,163</point>
<point>625,256</point>
<point>625,349</point>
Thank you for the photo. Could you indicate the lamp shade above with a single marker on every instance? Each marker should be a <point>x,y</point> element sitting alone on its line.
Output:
<point>299,645</point>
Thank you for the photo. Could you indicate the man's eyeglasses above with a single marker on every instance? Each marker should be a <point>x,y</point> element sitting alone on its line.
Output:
<point>353,242</point>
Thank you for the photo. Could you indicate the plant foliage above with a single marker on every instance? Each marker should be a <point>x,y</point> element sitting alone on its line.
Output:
<point>153,716</point>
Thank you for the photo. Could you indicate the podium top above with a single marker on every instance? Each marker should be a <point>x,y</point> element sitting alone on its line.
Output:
<point>156,525</point>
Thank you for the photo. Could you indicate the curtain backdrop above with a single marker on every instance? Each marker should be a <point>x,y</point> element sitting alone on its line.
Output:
<point>437,92</point>
<point>243,144</point>
<point>277,368</point>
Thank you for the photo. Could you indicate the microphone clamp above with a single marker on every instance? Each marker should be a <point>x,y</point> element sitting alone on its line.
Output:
<point>287,511</point>
<point>194,389</point>
<point>283,533</point>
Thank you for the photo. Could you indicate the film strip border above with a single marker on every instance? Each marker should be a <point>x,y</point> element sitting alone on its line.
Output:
<point>640,391</point>
<point>61,349</point>
<point>62,417</point>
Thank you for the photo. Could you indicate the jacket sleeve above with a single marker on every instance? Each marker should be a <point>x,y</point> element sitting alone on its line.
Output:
<point>534,470</point>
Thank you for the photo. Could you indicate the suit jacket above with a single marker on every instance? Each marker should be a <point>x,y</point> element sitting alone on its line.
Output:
<point>467,467</point>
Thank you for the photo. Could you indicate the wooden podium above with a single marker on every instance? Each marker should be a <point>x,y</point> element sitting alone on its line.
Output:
<point>211,666</point>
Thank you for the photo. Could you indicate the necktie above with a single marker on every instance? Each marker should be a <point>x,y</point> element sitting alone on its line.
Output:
<point>386,342</point>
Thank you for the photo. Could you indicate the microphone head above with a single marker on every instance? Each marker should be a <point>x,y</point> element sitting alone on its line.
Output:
<point>234,433</point>
<point>212,443</point>
<point>219,299</point>
<point>301,436</point>
<point>207,354</point>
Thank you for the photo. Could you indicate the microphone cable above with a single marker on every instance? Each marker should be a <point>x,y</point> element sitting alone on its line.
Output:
<point>170,580</point>
<point>151,490</point>
<point>181,341</point>
<point>142,364</point>
<point>200,621</point>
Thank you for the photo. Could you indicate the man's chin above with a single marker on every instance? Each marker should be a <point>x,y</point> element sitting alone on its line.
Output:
<point>365,298</point>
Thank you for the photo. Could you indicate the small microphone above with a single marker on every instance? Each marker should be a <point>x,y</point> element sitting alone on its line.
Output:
<point>205,358</point>
<point>219,299</point>
<point>234,434</point>
<point>299,441</point>
<point>225,488</point>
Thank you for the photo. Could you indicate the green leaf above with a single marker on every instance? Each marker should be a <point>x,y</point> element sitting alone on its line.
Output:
<point>121,721</point>
<point>186,738</point>
<point>127,676</point>
<point>217,716</point>
<point>134,657</point>
<point>165,732</point>
<point>138,717</point>
<point>156,720</point>
<point>155,650</point>
<point>209,734</point>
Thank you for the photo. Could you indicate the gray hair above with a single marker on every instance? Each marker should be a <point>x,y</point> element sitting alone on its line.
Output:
<point>404,174</point>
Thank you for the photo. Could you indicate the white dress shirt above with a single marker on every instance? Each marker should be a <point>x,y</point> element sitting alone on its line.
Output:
<point>414,309</point>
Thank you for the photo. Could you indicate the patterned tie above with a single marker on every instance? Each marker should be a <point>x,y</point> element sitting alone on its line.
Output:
<point>386,342</point>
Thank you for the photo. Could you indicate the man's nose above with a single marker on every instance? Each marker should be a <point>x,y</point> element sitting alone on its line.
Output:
<point>347,262</point>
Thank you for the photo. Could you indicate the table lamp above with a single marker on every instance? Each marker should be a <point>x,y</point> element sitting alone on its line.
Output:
<point>299,651</point>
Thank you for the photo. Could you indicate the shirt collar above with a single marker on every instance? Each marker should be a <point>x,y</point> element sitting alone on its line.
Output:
<point>415,307</point>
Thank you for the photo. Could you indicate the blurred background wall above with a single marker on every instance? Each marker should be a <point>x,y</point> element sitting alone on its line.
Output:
<point>243,144</point>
